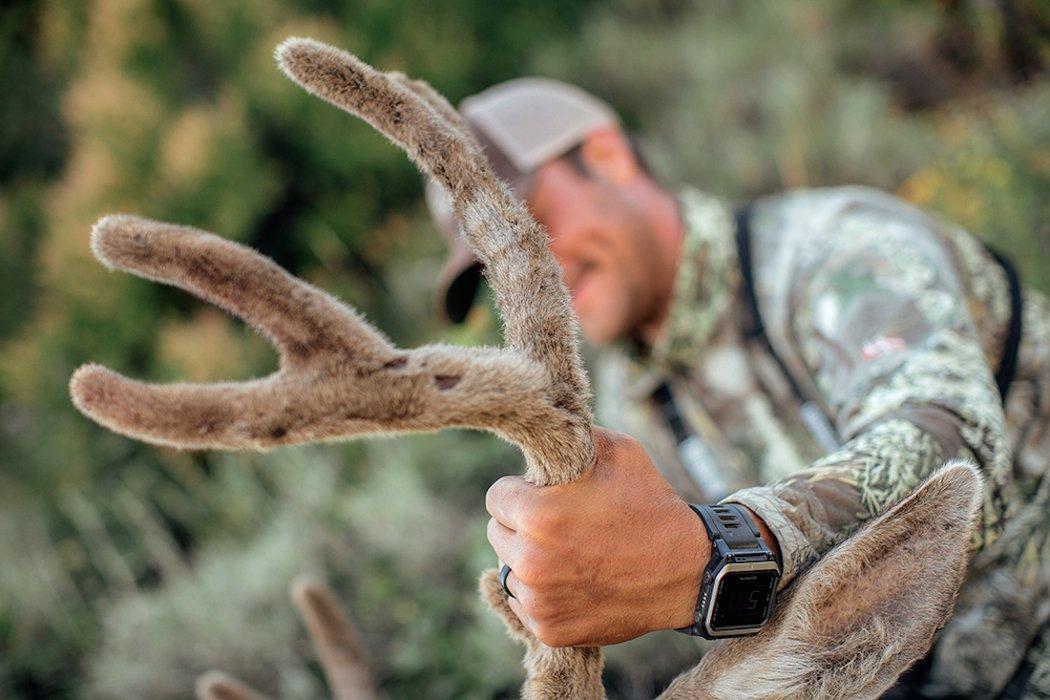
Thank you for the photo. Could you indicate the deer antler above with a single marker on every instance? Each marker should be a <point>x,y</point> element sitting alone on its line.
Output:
<point>334,641</point>
<point>339,377</point>
<point>538,318</point>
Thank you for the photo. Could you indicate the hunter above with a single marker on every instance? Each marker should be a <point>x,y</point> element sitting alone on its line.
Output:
<point>810,356</point>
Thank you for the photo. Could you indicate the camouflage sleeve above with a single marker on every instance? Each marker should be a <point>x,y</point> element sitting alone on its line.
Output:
<point>880,320</point>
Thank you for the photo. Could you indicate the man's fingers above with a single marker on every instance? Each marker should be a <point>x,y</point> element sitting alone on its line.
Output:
<point>504,542</point>
<point>516,605</point>
<point>507,499</point>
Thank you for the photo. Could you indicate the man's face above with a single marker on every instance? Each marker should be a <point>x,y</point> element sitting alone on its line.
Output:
<point>605,246</point>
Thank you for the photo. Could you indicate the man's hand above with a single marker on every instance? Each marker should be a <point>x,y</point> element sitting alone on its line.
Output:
<point>604,559</point>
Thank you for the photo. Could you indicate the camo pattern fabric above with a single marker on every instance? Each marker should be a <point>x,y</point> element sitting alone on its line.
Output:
<point>891,322</point>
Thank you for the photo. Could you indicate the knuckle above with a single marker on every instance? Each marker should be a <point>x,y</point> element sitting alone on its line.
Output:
<point>496,494</point>
<point>492,531</point>
<point>627,446</point>
<point>541,519</point>
<point>552,635</point>
<point>541,605</point>
<point>608,437</point>
<point>542,609</point>
<point>552,519</point>
<point>535,566</point>
<point>632,447</point>
<point>611,443</point>
<point>528,569</point>
<point>533,520</point>
<point>523,572</point>
<point>624,450</point>
<point>526,599</point>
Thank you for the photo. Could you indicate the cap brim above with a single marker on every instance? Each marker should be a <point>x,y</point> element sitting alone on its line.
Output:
<point>458,287</point>
<point>519,125</point>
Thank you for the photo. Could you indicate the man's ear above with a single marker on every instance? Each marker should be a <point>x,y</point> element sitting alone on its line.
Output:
<point>607,153</point>
<point>862,614</point>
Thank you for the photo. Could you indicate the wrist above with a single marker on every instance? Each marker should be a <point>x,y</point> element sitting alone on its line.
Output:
<point>696,547</point>
<point>690,553</point>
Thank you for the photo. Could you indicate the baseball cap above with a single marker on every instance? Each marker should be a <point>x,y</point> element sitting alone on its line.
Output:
<point>521,125</point>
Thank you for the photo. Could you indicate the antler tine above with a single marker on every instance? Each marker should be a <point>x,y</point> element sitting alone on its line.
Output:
<point>189,416</point>
<point>433,98</point>
<point>538,317</point>
<point>339,376</point>
<point>422,390</point>
<point>303,322</point>
<point>216,685</point>
<point>384,101</point>
<point>334,640</point>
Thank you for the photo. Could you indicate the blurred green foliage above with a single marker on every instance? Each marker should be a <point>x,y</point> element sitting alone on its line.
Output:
<point>125,570</point>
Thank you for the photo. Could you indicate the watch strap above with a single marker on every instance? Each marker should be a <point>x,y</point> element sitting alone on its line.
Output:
<point>729,522</point>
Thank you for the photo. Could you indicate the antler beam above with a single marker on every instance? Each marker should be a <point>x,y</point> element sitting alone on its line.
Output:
<point>537,315</point>
<point>340,377</point>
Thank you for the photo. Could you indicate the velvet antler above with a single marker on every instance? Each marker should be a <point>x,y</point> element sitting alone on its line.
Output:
<point>335,643</point>
<point>339,377</point>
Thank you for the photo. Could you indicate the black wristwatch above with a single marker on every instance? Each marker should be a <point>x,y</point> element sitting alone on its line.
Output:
<point>740,580</point>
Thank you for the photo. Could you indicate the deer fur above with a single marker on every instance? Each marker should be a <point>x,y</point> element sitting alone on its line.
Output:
<point>864,613</point>
<point>339,377</point>
<point>845,629</point>
<point>335,641</point>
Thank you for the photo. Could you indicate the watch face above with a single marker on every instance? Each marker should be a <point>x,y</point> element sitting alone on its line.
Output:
<point>743,598</point>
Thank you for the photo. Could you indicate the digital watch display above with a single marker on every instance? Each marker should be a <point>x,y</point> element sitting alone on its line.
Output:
<point>740,582</point>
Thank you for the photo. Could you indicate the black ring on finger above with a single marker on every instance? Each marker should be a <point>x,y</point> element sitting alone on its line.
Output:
<point>503,574</point>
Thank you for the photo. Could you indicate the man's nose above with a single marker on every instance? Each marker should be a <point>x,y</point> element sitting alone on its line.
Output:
<point>570,267</point>
<point>561,248</point>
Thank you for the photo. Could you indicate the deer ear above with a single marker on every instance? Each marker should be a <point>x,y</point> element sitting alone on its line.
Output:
<point>866,611</point>
<point>905,567</point>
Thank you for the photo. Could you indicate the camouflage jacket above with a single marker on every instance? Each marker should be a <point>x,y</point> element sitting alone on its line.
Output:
<point>890,321</point>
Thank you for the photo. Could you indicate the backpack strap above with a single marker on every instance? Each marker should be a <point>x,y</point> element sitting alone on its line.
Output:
<point>814,418</point>
<point>756,329</point>
<point>1007,370</point>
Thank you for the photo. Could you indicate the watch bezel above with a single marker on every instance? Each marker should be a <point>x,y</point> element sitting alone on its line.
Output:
<point>729,567</point>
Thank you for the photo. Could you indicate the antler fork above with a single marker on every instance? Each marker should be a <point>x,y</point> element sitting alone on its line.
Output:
<point>340,377</point>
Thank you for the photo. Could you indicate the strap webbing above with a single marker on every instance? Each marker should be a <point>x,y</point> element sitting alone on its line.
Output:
<point>757,329</point>
<point>1007,370</point>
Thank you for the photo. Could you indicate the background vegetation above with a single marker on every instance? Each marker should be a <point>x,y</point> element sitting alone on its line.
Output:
<point>125,570</point>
